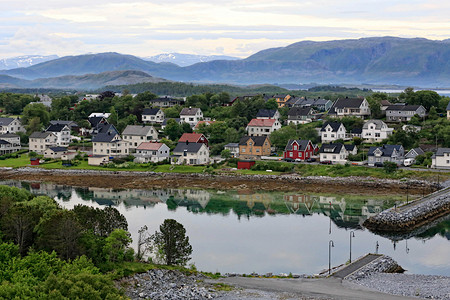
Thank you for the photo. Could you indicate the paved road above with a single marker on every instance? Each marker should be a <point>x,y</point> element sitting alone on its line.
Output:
<point>303,288</point>
<point>355,266</point>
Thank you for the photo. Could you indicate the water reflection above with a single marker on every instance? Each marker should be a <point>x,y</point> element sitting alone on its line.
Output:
<point>243,231</point>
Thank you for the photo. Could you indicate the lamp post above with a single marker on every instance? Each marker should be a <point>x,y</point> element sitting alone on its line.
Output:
<point>376,247</point>
<point>329,232</point>
<point>330,244</point>
<point>352,235</point>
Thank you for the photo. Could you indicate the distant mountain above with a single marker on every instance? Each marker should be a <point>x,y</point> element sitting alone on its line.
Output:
<point>184,60</point>
<point>383,60</point>
<point>24,61</point>
<point>83,82</point>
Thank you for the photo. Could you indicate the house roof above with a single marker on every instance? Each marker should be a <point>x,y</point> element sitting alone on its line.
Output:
<point>58,149</point>
<point>441,151</point>
<point>378,124</point>
<point>191,111</point>
<point>387,150</point>
<point>300,111</point>
<point>149,146</point>
<point>4,142</point>
<point>403,107</point>
<point>8,135</point>
<point>95,121</point>
<point>262,122</point>
<point>56,127</point>
<point>348,102</point>
<point>280,96</point>
<point>68,123</point>
<point>266,113</point>
<point>165,120</point>
<point>356,130</point>
<point>204,122</point>
<point>385,103</point>
<point>40,135</point>
<point>188,147</point>
<point>103,137</point>
<point>101,115</point>
<point>448,106</point>
<point>138,130</point>
<point>150,111</point>
<point>350,147</point>
<point>331,148</point>
<point>105,128</point>
<point>6,121</point>
<point>190,137</point>
<point>334,126</point>
<point>258,140</point>
<point>417,150</point>
<point>302,144</point>
<point>321,101</point>
<point>232,145</point>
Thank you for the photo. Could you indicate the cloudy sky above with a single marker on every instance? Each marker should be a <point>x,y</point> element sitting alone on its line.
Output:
<point>230,27</point>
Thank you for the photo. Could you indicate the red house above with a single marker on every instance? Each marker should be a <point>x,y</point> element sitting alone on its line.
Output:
<point>299,149</point>
<point>245,164</point>
<point>193,138</point>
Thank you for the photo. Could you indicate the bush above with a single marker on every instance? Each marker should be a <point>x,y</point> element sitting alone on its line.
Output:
<point>390,167</point>
<point>272,165</point>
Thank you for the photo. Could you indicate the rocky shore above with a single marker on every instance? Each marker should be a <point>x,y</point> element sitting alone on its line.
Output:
<point>288,182</point>
<point>411,216</point>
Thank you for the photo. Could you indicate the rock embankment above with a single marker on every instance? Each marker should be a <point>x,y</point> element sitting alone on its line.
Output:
<point>384,264</point>
<point>412,216</point>
<point>167,285</point>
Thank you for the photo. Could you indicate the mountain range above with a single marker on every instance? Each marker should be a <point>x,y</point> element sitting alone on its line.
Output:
<point>184,60</point>
<point>381,60</point>
<point>24,61</point>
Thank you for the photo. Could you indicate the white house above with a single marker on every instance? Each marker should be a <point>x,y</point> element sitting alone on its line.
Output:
<point>268,114</point>
<point>134,135</point>
<point>332,131</point>
<point>404,113</point>
<point>301,115</point>
<point>441,159</point>
<point>233,148</point>
<point>448,111</point>
<point>391,153</point>
<point>39,141</point>
<point>10,125</point>
<point>153,116</point>
<point>151,152</point>
<point>190,154</point>
<point>191,115</point>
<point>262,127</point>
<point>54,152</point>
<point>357,107</point>
<point>375,131</point>
<point>110,144</point>
<point>62,133</point>
<point>10,143</point>
<point>336,153</point>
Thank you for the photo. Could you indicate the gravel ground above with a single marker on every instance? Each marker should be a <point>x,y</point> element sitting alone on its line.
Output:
<point>420,286</point>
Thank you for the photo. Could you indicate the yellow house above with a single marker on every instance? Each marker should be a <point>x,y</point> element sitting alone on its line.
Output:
<point>253,147</point>
<point>281,99</point>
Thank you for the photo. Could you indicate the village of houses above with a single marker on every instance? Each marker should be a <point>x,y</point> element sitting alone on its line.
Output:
<point>143,141</point>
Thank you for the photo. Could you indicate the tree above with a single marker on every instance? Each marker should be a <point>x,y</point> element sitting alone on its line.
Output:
<point>390,167</point>
<point>225,153</point>
<point>172,130</point>
<point>271,104</point>
<point>116,246</point>
<point>172,243</point>
<point>279,138</point>
<point>34,110</point>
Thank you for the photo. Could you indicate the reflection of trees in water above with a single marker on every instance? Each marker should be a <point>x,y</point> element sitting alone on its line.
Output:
<point>442,229</point>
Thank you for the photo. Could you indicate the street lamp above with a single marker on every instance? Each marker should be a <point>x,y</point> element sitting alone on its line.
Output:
<point>376,247</point>
<point>352,234</point>
<point>330,244</point>
<point>329,232</point>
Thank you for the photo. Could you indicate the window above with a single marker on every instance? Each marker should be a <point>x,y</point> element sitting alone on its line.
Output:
<point>243,150</point>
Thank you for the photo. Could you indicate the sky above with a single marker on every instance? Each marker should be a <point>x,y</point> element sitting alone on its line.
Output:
<point>214,27</point>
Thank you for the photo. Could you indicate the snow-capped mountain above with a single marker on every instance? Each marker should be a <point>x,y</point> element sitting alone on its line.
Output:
<point>24,61</point>
<point>184,60</point>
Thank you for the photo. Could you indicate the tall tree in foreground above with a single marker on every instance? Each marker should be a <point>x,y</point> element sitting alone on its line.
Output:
<point>171,243</point>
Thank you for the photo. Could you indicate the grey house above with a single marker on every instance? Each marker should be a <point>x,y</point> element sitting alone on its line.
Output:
<point>391,153</point>
<point>134,135</point>
<point>9,143</point>
<point>404,113</point>
<point>300,115</point>
<point>414,152</point>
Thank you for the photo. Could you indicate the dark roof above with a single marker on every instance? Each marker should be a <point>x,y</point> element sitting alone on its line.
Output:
<point>40,135</point>
<point>334,125</point>
<point>68,123</point>
<point>58,149</point>
<point>356,130</point>
<point>266,113</point>
<point>55,127</point>
<point>6,121</point>
<point>138,130</point>
<point>9,135</point>
<point>189,147</point>
<point>105,128</point>
<point>350,147</point>
<point>232,145</point>
<point>441,151</point>
<point>403,107</point>
<point>386,149</point>
<point>150,111</point>
<point>448,106</point>
<point>346,103</point>
<point>103,137</point>
<point>96,120</point>
<point>331,148</point>
<point>301,145</point>
<point>191,111</point>
<point>4,142</point>
<point>300,111</point>
<point>165,120</point>
<point>258,140</point>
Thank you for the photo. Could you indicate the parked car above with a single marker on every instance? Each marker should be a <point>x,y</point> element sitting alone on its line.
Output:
<point>289,159</point>
<point>298,159</point>
<point>311,159</point>
<point>378,164</point>
<point>326,162</point>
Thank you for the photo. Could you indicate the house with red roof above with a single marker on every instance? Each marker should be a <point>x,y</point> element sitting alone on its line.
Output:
<point>262,127</point>
<point>299,149</point>
<point>193,138</point>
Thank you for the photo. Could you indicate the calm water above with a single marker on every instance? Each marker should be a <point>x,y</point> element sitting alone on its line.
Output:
<point>244,232</point>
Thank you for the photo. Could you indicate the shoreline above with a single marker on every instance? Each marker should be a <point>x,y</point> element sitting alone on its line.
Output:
<point>286,182</point>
